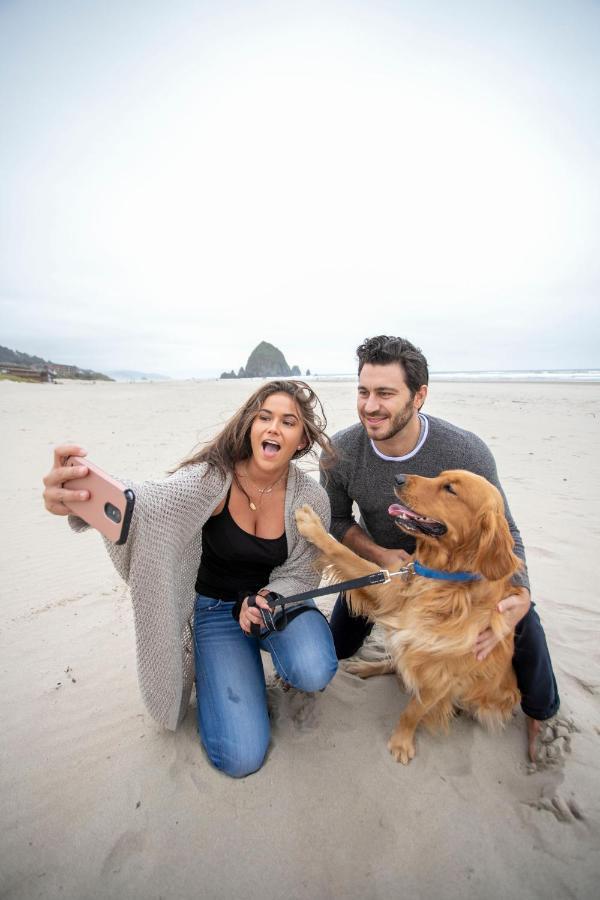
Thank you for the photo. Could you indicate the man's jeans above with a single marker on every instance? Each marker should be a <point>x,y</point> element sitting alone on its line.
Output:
<point>233,718</point>
<point>531,660</point>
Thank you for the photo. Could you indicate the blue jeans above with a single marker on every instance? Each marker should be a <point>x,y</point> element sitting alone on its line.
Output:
<point>233,718</point>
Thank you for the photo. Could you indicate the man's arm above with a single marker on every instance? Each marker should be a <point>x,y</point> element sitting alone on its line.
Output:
<point>487,467</point>
<point>359,541</point>
<point>517,604</point>
<point>340,501</point>
<point>345,528</point>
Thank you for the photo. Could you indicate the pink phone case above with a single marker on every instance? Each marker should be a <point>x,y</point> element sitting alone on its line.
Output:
<point>110,504</point>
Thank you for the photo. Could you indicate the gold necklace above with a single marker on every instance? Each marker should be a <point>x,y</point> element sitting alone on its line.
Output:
<point>258,490</point>
<point>261,491</point>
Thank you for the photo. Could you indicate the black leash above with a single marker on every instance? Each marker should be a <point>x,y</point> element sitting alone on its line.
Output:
<point>275,600</point>
<point>382,577</point>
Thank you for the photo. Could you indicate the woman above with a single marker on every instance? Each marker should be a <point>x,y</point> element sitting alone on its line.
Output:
<point>220,527</point>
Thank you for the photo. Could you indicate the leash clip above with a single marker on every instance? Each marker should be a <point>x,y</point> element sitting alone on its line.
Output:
<point>404,572</point>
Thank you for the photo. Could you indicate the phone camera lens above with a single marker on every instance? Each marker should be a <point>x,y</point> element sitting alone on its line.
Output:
<point>112,512</point>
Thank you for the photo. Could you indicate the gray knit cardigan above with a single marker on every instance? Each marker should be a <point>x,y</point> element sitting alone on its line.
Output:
<point>160,563</point>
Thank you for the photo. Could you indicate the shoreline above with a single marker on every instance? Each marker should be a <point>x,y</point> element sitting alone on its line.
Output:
<point>316,379</point>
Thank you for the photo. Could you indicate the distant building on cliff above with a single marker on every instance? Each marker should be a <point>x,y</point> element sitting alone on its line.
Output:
<point>27,373</point>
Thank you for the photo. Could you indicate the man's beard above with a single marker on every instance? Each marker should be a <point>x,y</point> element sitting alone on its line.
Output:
<point>398,423</point>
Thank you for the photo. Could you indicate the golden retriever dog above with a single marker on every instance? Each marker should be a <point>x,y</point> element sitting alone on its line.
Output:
<point>431,625</point>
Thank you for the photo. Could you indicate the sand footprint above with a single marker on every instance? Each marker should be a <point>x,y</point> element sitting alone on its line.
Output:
<point>299,707</point>
<point>542,552</point>
<point>127,845</point>
<point>554,743</point>
<point>563,810</point>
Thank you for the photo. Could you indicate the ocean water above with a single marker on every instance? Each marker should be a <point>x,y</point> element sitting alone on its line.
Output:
<point>563,375</point>
<point>521,375</point>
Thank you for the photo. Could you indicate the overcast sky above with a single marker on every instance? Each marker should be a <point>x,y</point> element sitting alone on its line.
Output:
<point>180,180</point>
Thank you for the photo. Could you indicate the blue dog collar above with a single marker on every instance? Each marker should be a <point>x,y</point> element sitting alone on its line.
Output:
<point>441,575</point>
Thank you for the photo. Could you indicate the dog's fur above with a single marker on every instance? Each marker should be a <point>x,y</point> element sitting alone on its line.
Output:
<point>431,626</point>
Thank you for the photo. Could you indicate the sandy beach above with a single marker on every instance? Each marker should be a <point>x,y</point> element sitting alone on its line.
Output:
<point>99,801</point>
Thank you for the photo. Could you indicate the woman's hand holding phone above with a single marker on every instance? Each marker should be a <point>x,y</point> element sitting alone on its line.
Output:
<point>56,491</point>
<point>74,485</point>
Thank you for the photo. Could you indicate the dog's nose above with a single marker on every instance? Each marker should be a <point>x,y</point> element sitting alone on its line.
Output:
<point>400,480</point>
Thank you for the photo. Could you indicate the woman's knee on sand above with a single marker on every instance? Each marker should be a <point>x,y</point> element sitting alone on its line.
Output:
<point>237,758</point>
<point>303,654</point>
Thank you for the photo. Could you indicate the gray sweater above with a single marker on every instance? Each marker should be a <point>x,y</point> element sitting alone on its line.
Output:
<point>160,562</point>
<point>363,476</point>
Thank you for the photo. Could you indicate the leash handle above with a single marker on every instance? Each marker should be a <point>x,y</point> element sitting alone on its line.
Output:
<point>267,615</point>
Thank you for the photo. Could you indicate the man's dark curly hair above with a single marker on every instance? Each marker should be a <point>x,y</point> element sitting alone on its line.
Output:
<point>385,349</point>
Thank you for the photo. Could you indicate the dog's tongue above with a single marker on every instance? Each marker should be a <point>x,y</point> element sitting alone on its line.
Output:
<point>396,510</point>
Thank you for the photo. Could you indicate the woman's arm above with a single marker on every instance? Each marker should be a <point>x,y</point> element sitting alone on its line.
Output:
<point>56,495</point>
<point>299,572</point>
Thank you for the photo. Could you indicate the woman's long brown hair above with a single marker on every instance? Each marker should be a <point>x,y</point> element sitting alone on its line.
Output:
<point>232,444</point>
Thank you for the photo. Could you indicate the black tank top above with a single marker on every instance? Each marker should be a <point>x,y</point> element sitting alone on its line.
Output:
<point>235,561</point>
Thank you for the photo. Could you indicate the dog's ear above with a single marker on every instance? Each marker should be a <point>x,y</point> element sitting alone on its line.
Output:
<point>495,558</point>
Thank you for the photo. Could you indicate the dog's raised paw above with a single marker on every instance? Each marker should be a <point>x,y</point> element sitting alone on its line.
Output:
<point>308,522</point>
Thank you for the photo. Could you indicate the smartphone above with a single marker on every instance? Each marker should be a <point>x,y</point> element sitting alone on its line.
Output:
<point>110,504</point>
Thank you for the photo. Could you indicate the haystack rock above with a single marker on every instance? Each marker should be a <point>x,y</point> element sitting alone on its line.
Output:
<point>264,361</point>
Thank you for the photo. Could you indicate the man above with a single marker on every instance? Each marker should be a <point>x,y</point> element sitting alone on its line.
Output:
<point>394,437</point>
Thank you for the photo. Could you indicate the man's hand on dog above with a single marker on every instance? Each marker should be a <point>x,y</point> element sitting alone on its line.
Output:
<point>392,559</point>
<point>514,608</point>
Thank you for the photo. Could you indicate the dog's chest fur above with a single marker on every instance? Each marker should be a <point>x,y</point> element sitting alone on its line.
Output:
<point>433,625</point>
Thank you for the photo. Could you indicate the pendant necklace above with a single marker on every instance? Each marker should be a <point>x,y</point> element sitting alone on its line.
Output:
<point>261,491</point>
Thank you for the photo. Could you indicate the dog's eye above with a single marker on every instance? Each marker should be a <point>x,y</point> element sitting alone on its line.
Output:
<point>449,488</point>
